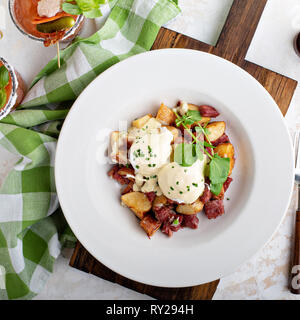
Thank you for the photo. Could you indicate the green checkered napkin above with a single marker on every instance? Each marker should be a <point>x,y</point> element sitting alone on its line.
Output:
<point>32,229</point>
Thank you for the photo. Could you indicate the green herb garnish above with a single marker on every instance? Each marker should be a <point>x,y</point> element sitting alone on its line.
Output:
<point>176,221</point>
<point>89,8</point>
<point>218,173</point>
<point>186,154</point>
<point>189,118</point>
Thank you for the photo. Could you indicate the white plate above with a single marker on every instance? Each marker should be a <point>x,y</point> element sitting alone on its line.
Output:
<point>259,194</point>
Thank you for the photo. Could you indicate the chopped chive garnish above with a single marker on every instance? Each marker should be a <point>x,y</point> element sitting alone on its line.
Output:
<point>172,188</point>
<point>195,185</point>
<point>176,221</point>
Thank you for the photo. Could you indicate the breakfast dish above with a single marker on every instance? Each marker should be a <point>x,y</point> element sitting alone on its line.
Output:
<point>134,87</point>
<point>12,88</point>
<point>173,166</point>
<point>45,20</point>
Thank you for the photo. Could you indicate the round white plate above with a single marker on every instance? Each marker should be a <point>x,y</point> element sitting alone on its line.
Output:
<point>259,195</point>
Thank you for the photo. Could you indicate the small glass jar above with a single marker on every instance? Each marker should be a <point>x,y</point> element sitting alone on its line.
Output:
<point>15,90</point>
<point>17,9</point>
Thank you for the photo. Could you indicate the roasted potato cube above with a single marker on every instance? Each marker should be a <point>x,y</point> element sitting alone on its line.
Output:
<point>175,132</point>
<point>192,106</point>
<point>159,201</point>
<point>200,122</point>
<point>150,225</point>
<point>189,209</point>
<point>137,202</point>
<point>215,130</point>
<point>118,147</point>
<point>128,188</point>
<point>114,145</point>
<point>226,150</point>
<point>127,173</point>
<point>232,162</point>
<point>165,115</point>
<point>140,122</point>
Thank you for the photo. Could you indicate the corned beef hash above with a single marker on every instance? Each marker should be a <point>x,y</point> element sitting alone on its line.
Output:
<point>173,166</point>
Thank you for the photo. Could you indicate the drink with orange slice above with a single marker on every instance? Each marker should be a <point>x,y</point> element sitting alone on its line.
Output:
<point>44,20</point>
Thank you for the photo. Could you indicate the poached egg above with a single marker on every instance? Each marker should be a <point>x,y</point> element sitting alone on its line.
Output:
<point>151,148</point>
<point>150,154</point>
<point>182,184</point>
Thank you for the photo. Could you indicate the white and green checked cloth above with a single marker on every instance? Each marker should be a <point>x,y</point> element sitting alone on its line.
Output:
<point>32,229</point>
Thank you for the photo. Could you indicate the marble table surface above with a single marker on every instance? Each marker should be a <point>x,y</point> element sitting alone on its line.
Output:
<point>264,276</point>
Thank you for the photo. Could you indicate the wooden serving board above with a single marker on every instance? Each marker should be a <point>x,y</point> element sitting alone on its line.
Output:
<point>232,45</point>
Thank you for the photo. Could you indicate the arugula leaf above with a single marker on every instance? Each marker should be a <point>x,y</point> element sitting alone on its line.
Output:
<point>216,188</point>
<point>4,77</point>
<point>2,98</point>
<point>89,8</point>
<point>219,169</point>
<point>189,118</point>
<point>184,121</point>
<point>194,115</point>
<point>218,173</point>
<point>71,8</point>
<point>186,154</point>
